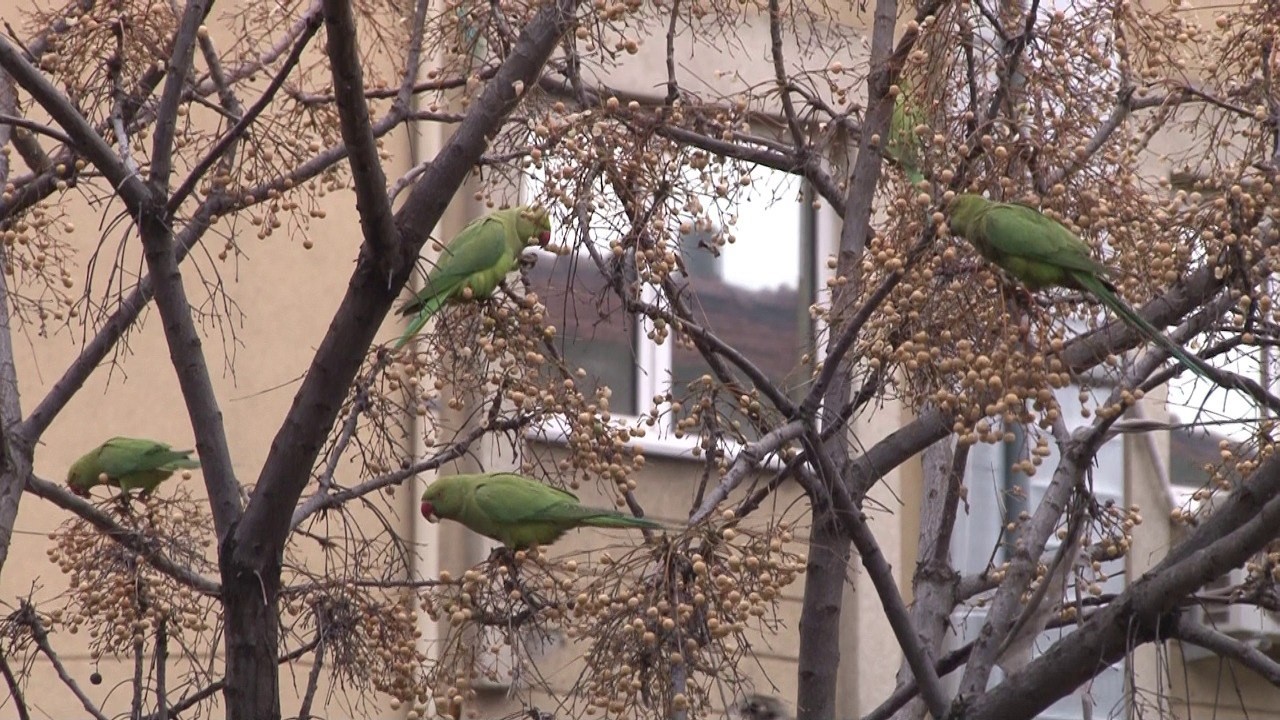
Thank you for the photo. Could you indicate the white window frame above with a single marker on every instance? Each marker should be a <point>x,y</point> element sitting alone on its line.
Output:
<point>654,362</point>
<point>988,514</point>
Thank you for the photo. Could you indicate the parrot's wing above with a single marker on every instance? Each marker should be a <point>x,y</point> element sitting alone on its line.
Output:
<point>512,499</point>
<point>480,246</point>
<point>122,456</point>
<point>1023,232</point>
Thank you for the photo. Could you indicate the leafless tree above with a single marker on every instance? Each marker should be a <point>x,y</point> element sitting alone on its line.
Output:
<point>189,139</point>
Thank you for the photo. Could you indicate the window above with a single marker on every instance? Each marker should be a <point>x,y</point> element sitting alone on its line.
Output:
<point>591,332</point>
<point>997,495</point>
<point>754,293</point>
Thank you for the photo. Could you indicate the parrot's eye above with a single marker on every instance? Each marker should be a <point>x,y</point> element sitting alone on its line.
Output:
<point>429,511</point>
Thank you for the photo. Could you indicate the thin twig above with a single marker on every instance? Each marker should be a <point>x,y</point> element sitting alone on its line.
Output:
<point>36,127</point>
<point>28,616</point>
<point>313,677</point>
<point>455,450</point>
<point>15,689</point>
<point>242,125</point>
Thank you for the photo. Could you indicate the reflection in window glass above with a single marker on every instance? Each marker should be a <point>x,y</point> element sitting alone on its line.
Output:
<point>753,296</point>
<point>592,332</point>
<point>996,496</point>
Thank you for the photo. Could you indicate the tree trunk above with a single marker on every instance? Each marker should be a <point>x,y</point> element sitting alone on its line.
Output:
<point>819,663</point>
<point>933,587</point>
<point>15,450</point>
<point>251,610</point>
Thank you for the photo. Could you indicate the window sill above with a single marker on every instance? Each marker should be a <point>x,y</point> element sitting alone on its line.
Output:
<point>555,432</point>
<point>655,443</point>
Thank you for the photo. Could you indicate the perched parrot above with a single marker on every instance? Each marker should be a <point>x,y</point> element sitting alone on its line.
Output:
<point>904,144</point>
<point>127,463</point>
<point>515,510</point>
<point>476,260</point>
<point>1042,252</point>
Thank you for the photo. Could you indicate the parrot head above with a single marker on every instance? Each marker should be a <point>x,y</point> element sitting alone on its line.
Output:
<point>964,211</point>
<point>534,223</point>
<point>438,500</point>
<point>80,478</point>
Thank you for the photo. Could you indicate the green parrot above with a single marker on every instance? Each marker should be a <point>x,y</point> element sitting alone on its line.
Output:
<point>1041,252</point>
<point>904,144</point>
<point>475,262</point>
<point>127,463</point>
<point>515,510</point>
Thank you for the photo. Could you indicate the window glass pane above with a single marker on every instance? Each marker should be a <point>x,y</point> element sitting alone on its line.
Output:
<point>753,296</point>
<point>592,331</point>
<point>996,494</point>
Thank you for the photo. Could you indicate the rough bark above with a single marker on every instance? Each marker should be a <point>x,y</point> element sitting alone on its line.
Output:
<point>933,587</point>
<point>1146,611</point>
<point>15,451</point>
<point>819,662</point>
<point>251,613</point>
<point>251,555</point>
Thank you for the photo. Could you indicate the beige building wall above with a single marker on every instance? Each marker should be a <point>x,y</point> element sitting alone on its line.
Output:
<point>1194,687</point>
<point>288,295</point>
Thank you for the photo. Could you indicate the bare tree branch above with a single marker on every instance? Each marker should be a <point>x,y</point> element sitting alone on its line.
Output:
<point>843,510</point>
<point>218,151</point>
<point>15,449</point>
<point>27,616</point>
<point>130,539</point>
<point>366,169</point>
<point>6,119</point>
<point>747,460</point>
<point>313,677</point>
<point>1189,631</point>
<point>179,70</point>
<point>85,138</point>
<point>459,447</point>
<point>15,690</point>
<point>1145,610</point>
<point>781,77</point>
<point>113,329</point>
<point>933,583</point>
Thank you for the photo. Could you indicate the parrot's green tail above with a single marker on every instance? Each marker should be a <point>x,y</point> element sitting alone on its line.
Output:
<point>429,308</point>
<point>1099,288</point>
<point>618,520</point>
